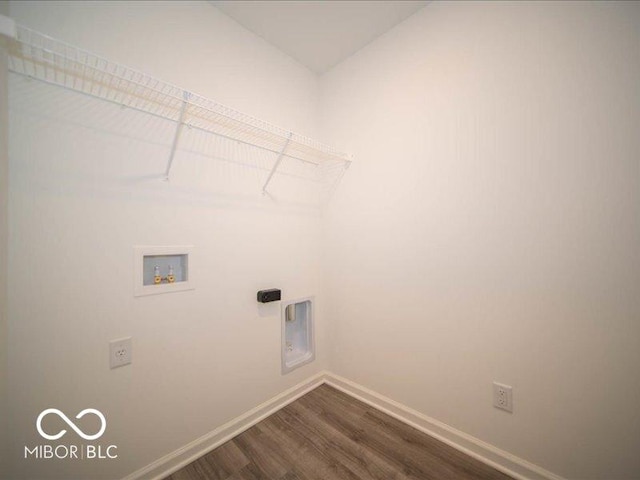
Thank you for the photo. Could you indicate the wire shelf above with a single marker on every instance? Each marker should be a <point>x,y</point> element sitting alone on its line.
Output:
<point>55,62</point>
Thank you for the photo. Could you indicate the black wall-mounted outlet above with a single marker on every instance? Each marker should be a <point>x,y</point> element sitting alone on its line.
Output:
<point>271,295</point>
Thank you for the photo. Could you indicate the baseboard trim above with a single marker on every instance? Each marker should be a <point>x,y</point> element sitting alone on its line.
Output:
<point>177,459</point>
<point>499,459</point>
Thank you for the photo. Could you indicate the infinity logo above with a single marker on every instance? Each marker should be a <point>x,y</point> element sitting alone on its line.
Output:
<point>71,424</point>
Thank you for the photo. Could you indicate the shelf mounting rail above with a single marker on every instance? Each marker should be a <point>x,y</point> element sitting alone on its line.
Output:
<point>52,61</point>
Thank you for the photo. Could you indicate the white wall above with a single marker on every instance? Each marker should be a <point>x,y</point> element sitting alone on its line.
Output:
<point>4,244</point>
<point>83,193</point>
<point>490,227</point>
<point>190,44</point>
<point>487,231</point>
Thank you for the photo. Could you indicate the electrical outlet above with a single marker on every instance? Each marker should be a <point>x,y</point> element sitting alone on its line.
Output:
<point>503,397</point>
<point>120,352</point>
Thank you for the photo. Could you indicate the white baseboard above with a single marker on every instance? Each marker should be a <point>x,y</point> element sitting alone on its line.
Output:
<point>499,459</point>
<point>174,461</point>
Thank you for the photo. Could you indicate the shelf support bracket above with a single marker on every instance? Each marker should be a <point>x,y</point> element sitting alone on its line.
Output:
<point>176,136</point>
<point>275,165</point>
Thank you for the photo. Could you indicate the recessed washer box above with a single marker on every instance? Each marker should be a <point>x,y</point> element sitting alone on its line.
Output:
<point>162,269</point>
<point>298,345</point>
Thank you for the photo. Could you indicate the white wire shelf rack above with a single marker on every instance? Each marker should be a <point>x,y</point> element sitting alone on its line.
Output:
<point>52,61</point>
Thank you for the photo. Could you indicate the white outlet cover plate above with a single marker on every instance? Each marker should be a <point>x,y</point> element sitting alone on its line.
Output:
<point>503,396</point>
<point>120,352</point>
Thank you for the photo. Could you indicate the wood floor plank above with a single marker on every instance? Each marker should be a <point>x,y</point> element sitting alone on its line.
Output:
<point>317,456</point>
<point>328,435</point>
<point>385,446</point>
<point>291,476</point>
<point>249,472</point>
<point>309,460</point>
<point>338,446</point>
<point>420,457</point>
<point>326,399</point>
<point>416,442</point>
<point>218,464</point>
<point>417,455</point>
<point>322,455</point>
<point>265,454</point>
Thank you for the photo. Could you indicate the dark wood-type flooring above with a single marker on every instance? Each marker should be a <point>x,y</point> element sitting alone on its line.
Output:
<point>329,435</point>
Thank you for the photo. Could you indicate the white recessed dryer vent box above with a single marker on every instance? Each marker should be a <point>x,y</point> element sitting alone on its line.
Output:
<point>159,269</point>
<point>298,346</point>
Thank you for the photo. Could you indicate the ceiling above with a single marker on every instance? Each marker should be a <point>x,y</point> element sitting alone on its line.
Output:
<point>319,34</point>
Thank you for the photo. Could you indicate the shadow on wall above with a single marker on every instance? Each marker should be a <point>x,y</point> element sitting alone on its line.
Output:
<point>118,150</point>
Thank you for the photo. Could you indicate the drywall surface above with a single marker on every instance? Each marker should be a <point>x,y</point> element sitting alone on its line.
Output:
<point>490,227</point>
<point>4,245</point>
<point>85,189</point>
<point>190,44</point>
